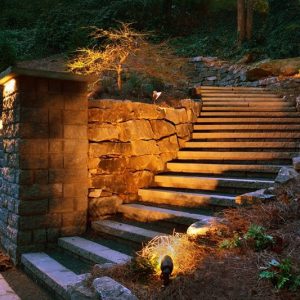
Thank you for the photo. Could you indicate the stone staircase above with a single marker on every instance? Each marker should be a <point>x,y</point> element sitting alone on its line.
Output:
<point>240,141</point>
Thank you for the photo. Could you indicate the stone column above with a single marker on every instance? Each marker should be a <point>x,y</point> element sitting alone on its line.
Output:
<point>44,170</point>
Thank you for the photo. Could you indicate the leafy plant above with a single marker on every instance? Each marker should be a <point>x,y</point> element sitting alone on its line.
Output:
<point>258,234</point>
<point>281,274</point>
<point>126,50</point>
<point>234,242</point>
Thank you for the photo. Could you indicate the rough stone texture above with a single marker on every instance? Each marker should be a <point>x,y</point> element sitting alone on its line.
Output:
<point>286,174</point>
<point>80,291</point>
<point>129,143</point>
<point>296,163</point>
<point>43,159</point>
<point>257,197</point>
<point>212,71</point>
<point>109,289</point>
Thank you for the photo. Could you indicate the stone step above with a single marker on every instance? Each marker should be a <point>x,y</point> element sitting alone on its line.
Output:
<point>246,135</point>
<point>184,199</point>
<point>125,231</point>
<point>143,213</point>
<point>245,145</point>
<point>230,88</point>
<point>242,99</point>
<point>253,156</point>
<point>252,120</point>
<point>280,104</point>
<point>205,95</point>
<point>288,127</point>
<point>220,168</point>
<point>209,183</point>
<point>250,109</point>
<point>251,114</point>
<point>6,292</point>
<point>50,273</point>
<point>214,89</point>
<point>92,251</point>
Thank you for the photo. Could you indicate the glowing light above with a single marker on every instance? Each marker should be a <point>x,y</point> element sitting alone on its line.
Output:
<point>197,229</point>
<point>9,87</point>
<point>184,252</point>
<point>1,124</point>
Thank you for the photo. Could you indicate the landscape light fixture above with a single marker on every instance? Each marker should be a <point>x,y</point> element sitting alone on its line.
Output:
<point>166,267</point>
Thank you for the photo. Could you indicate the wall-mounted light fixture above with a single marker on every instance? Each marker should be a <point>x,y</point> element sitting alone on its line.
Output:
<point>9,87</point>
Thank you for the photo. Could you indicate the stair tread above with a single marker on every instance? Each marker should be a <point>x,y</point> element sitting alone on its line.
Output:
<point>125,229</point>
<point>247,120</point>
<point>278,127</point>
<point>92,251</point>
<point>169,212</point>
<point>244,144</point>
<point>49,271</point>
<point>192,177</point>
<point>206,108</point>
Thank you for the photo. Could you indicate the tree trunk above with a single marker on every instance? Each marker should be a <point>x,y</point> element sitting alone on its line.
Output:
<point>119,78</point>
<point>241,16</point>
<point>249,22</point>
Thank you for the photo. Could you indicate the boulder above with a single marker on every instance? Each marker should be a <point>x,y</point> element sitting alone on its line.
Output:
<point>296,163</point>
<point>103,132</point>
<point>109,289</point>
<point>135,130</point>
<point>162,128</point>
<point>103,206</point>
<point>80,290</point>
<point>257,197</point>
<point>286,174</point>
<point>197,228</point>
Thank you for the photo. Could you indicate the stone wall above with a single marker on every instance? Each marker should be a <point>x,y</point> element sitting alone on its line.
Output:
<point>129,143</point>
<point>212,71</point>
<point>44,168</point>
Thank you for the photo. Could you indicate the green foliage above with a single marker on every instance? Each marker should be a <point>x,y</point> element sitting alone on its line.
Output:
<point>234,242</point>
<point>8,56</point>
<point>282,275</point>
<point>258,234</point>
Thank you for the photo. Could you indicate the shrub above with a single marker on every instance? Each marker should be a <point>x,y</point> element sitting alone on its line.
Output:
<point>8,56</point>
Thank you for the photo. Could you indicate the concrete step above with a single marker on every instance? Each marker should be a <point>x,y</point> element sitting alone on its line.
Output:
<point>252,156</point>
<point>6,292</point>
<point>51,273</point>
<point>251,114</point>
<point>259,120</point>
<point>220,168</point>
<point>243,99</point>
<point>230,88</point>
<point>205,95</point>
<point>92,251</point>
<point>125,231</point>
<point>245,145</point>
<point>184,199</point>
<point>143,213</point>
<point>246,135</point>
<point>244,103</point>
<point>250,109</point>
<point>289,127</point>
<point>209,183</point>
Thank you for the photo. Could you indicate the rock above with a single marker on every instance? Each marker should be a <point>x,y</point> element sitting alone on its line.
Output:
<point>95,193</point>
<point>144,147</point>
<point>176,116</point>
<point>109,289</point>
<point>197,229</point>
<point>99,268</point>
<point>246,59</point>
<point>211,78</point>
<point>256,74</point>
<point>296,163</point>
<point>103,132</point>
<point>257,197</point>
<point>80,291</point>
<point>102,206</point>
<point>162,128</point>
<point>135,130</point>
<point>286,174</point>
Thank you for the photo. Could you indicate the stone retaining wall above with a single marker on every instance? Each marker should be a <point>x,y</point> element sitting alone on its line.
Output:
<point>129,143</point>
<point>212,71</point>
<point>44,167</point>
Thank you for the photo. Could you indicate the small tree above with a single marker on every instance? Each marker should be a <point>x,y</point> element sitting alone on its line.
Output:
<point>125,49</point>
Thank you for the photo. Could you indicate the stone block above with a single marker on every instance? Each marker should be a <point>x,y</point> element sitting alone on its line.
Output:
<point>40,176</point>
<point>296,163</point>
<point>144,147</point>
<point>286,174</point>
<point>169,144</point>
<point>55,190</point>
<point>75,117</point>
<point>162,128</point>
<point>33,146</point>
<point>110,148</point>
<point>75,102</point>
<point>74,161</point>
<point>34,192</point>
<point>77,132</point>
<point>56,127</point>
<point>34,161</point>
<point>135,130</point>
<point>76,146</point>
<point>74,219</point>
<point>30,208</point>
<point>148,111</point>
<point>56,146</point>
<point>99,207</point>
<point>61,205</point>
<point>103,132</point>
<point>146,162</point>
<point>184,130</point>
<point>112,165</point>
<point>257,197</point>
<point>176,116</point>
<point>114,183</point>
<point>31,130</point>
<point>34,115</point>
<point>39,236</point>
<point>107,288</point>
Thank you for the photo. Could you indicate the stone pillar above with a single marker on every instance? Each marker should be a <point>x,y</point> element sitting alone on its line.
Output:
<point>44,170</point>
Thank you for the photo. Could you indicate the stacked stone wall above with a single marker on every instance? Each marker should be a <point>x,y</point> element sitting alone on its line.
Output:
<point>129,143</point>
<point>44,167</point>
